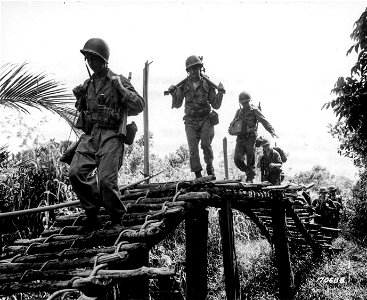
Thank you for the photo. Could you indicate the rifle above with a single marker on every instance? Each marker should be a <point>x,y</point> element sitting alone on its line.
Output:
<point>122,128</point>
<point>183,81</point>
<point>176,86</point>
<point>125,187</point>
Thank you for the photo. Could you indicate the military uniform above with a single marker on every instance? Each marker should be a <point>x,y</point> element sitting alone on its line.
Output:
<point>325,208</point>
<point>200,98</point>
<point>101,105</point>
<point>337,202</point>
<point>246,138</point>
<point>273,175</point>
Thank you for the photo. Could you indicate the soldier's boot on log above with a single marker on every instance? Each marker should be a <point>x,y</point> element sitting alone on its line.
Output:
<point>92,223</point>
<point>198,174</point>
<point>210,171</point>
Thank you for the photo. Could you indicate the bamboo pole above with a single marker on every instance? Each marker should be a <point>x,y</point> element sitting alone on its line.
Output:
<point>146,120</point>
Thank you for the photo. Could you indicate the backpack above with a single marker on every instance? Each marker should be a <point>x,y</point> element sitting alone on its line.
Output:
<point>281,153</point>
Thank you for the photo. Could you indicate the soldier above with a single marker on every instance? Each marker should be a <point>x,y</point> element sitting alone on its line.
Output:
<point>247,118</point>
<point>200,96</point>
<point>324,207</point>
<point>337,201</point>
<point>102,101</point>
<point>270,164</point>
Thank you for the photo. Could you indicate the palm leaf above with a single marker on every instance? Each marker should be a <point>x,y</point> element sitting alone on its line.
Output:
<point>4,154</point>
<point>21,88</point>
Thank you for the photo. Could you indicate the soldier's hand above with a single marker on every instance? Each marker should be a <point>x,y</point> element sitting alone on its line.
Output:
<point>221,88</point>
<point>116,81</point>
<point>274,135</point>
<point>171,89</point>
<point>78,90</point>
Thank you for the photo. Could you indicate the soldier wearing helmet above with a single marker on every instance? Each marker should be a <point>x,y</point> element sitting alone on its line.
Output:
<point>337,201</point>
<point>324,208</point>
<point>244,126</point>
<point>270,164</point>
<point>200,97</point>
<point>102,101</point>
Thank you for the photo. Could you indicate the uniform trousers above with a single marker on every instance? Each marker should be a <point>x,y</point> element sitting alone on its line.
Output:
<point>202,132</point>
<point>245,149</point>
<point>102,149</point>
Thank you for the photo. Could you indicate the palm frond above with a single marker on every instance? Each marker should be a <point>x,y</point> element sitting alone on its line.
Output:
<point>4,154</point>
<point>20,88</point>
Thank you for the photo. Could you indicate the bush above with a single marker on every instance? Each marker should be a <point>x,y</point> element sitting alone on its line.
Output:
<point>356,210</point>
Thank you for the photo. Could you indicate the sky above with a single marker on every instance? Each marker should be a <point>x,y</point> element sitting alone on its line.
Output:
<point>286,54</point>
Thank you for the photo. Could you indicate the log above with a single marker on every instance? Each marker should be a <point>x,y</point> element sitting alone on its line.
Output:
<point>285,273</point>
<point>196,229</point>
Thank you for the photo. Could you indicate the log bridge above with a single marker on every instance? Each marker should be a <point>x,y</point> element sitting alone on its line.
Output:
<point>107,264</point>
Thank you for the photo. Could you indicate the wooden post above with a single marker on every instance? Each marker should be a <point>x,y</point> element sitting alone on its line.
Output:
<point>146,121</point>
<point>285,273</point>
<point>196,227</point>
<point>132,288</point>
<point>229,252</point>
<point>225,157</point>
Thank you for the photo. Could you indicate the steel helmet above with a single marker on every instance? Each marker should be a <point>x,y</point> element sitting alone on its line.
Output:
<point>331,188</point>
<point>322,190</point>
<point>192,61</point>
<point>97,47</point>
<point>244,97</point>
<point>264,142</point>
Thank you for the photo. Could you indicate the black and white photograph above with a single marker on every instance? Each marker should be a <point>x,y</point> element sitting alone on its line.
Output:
<point>183,150</point>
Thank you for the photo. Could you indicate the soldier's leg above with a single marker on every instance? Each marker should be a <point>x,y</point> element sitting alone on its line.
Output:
<point>206,136</point>
<point>109,160</point>
<point>250,157</point>
<point>85,185</point>
<point>239,153</point>
<point>193,137</point>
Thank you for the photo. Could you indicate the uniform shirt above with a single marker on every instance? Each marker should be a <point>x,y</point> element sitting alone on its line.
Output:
<point>250,120</point>
<point>199,100</point>
<point>102,91</point>
<point>273,157</point>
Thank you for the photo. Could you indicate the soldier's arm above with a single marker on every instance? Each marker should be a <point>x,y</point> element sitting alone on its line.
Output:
<point>215,99</point>
<point>264,122</point>
<point>134,102</point>
<point>277,161</point>
<point>80,93</point>
<point>177,97</point>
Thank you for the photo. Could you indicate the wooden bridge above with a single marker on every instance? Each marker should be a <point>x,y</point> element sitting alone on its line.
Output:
<point>107,264</point>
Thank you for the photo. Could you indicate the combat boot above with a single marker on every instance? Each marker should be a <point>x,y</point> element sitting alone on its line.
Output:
<point>92,223</point>
<point>210,171</point>
<point>198,174</point>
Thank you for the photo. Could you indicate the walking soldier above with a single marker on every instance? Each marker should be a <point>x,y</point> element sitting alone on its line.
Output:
<point>102,101</point>
<point>200,97</point>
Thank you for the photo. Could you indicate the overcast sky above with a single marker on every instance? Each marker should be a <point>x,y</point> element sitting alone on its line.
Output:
<point>287,54</point>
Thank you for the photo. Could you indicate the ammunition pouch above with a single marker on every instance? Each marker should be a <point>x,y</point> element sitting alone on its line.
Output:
<point>213,118</point>
<point>235,127</point>
<point>131,130</point>
<point>106,117</point>
<point>67,157</point>
<point>197,113</point>
<point>84,122</point>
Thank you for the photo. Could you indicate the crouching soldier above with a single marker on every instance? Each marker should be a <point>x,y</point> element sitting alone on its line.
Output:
<point>270,164</point>
<point>102,101</point>
<point>200,97</point>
